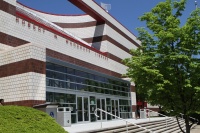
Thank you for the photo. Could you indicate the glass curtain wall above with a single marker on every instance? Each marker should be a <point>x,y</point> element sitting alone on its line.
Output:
<point>58,76</point>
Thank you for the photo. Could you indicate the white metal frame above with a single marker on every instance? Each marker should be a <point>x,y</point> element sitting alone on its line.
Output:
<point>83,96</point>
<point>101,98</point>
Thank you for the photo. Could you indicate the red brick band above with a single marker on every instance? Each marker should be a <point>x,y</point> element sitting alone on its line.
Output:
<point>115,58</point>
<point>6,7</point>
<point>11,40</point>
<point>29,103</point>
<point>78,62</point>
<point>29,65</point>
<point>134,108</point>
<point>133,88</point>
<point>106,38</point>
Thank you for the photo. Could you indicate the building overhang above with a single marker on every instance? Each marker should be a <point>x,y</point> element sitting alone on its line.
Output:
<point>88,10</point>
<point>91,8</point>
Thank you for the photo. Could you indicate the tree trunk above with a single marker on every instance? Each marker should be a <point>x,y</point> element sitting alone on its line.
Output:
<point>187,124</point>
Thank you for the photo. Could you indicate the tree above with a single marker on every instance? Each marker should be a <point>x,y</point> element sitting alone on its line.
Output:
<point>166,68</point>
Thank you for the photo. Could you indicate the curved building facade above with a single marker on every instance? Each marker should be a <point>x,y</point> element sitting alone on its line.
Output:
<point>73,60</point>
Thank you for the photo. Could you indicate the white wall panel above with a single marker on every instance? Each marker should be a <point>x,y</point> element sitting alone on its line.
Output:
<point>133,98</point>
<point>27,86</point>
<point>88,32</point>
<point>23,52</point>
<point>117,51</point>
<point>4,47</point>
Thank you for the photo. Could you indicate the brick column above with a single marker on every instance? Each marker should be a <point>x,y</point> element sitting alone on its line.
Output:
<point>22,75</point>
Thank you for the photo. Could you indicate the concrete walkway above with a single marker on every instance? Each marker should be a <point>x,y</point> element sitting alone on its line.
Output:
<point>196,129</point>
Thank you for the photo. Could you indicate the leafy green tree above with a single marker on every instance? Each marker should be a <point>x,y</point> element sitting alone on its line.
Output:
<point>166,68</point>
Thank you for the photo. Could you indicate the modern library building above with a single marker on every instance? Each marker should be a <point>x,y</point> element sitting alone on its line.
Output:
<point>73,60</point>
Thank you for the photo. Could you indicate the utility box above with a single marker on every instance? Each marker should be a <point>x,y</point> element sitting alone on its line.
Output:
<point>143,114</point>
<point>49,108</point>
<point>52,111</point>
<point>64,116</point>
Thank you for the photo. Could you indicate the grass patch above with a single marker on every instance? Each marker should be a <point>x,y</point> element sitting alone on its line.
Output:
<point>19,119</point>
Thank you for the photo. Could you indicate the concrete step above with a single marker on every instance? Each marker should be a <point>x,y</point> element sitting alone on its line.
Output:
<point>166,129</point>
<point>175,129</point>
<point>123,128</point>
<point>155,126</point>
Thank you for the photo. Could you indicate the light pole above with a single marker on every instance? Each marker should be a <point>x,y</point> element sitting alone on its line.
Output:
<point>195,4</point>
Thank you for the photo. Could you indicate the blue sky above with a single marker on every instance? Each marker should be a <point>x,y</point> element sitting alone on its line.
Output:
<point>126,12</point>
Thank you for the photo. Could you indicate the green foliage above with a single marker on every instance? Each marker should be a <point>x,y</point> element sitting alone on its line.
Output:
<point>19,119</point>
<point>166,68</point>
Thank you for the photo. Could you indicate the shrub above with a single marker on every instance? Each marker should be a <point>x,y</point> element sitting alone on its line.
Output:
<point>19,119</point>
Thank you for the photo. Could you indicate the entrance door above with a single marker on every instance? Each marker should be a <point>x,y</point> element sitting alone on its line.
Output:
<point>82,109</point>
<point>101,104</point>
<point>115,108</point>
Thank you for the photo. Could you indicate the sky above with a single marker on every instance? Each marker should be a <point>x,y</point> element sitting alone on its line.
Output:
<point>126,12</point>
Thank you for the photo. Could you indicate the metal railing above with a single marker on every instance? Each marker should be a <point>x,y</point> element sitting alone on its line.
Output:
<point>189,117</point>
<point>95,112</point>
<point>158,114</point>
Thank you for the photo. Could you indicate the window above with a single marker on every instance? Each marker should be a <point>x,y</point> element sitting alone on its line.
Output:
<point>71,78</point>
<point>49,96</point>
<point>70,71</point>
<point>99,78</point>
<point>91,76</point>
<point>60,97</point>
<point>65,77</point>
<point>72,86</point>
<point>49,74</point>
<point>59,76</point>
<point>80,87</point>
<point>49,82</point>
<point>80,80</point>
<point>50,66</point>
<point>81,74</point>
<point>60,68</point>
<point>71,98</point>
<point>58,83</point>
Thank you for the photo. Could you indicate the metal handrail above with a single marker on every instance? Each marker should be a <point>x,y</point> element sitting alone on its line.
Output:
<point>159,114</point>
<point>95,112</point>
<point>189,117</point>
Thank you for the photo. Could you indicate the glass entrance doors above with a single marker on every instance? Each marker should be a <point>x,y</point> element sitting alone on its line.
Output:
<point>82,109</point>
<point>115,108</point>
<point>101,104</point>
<point>87,104</point>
